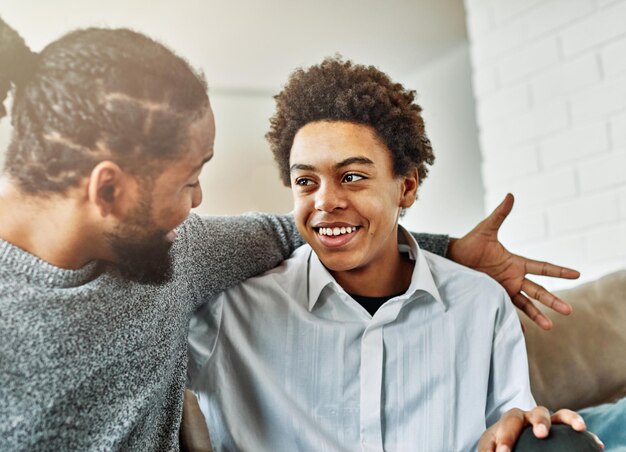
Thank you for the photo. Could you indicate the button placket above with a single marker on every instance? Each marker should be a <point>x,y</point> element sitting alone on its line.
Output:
<point>371,376</point>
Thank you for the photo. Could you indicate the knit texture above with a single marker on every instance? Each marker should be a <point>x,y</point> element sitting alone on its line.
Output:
<point>90,361</point>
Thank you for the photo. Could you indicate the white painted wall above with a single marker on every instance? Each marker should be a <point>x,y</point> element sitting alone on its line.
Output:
<point>550,85</point>
<point>451,199</point>
<point>242,175</point>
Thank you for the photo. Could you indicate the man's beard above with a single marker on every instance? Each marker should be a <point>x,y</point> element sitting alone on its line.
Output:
<point>142,256</point>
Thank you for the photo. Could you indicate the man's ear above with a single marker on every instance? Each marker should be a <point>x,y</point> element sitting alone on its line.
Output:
<point>106,187</point>
<point>410,182</point>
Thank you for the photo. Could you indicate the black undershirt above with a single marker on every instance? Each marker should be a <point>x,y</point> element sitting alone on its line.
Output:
<point>372,304</point>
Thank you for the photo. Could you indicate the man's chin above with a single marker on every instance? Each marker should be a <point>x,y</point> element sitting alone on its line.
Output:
<point>146,274</point>
<point>147,262</point>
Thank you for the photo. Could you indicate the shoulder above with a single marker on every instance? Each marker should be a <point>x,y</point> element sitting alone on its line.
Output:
<point>447,272</point>
<point>457,282</point>
<point>205,225</point>
<point>474,298</point>
<point>221,236</point>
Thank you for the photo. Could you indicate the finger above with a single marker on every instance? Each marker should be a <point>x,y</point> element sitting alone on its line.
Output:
<point>571,418</point>
<point>547,269</point>
<point>509,429</point>
<point>574,420</point>
<point>531,311</point>
<point>546,298</point>
<point>539,417</point>
<point>487,442</point>
<point>499,214</point>
<point>597,440</point>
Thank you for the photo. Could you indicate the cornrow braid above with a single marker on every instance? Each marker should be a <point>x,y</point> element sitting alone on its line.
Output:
<point>337,90</point>
<point>95,94</point>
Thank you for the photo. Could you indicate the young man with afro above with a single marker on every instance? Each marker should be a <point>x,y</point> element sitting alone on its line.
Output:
<point>360,340</point>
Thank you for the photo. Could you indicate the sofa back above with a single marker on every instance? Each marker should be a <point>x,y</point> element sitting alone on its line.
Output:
<point>582,361</point>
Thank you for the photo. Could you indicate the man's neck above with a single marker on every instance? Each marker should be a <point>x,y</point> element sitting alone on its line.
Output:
<point>372,281</point>
<point>49,228</point>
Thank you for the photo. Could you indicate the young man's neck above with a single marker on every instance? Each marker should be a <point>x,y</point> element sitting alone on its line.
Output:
<point>372,282</point>
<point>52,228</point>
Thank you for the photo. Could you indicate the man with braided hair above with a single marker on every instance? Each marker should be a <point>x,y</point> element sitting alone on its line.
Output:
<point>101,264</point>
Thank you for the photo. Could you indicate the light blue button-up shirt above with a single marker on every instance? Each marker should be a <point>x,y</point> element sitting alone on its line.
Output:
<point>288,361</point>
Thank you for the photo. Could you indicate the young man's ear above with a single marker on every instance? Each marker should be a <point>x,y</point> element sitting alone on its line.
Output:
<point>410,182</point>
<point>106,186</point>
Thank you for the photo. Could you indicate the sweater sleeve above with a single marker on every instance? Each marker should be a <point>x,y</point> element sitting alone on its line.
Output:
<point>215,253</point>
<point>435,243</point>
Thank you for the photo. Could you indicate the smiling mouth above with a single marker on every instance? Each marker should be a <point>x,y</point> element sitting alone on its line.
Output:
<point>336,231</point>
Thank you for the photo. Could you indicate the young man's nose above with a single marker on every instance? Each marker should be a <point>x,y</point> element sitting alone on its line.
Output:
<point>329,197</point>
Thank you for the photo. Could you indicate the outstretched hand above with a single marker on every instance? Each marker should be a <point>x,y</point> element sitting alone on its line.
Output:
<point>481,250</point>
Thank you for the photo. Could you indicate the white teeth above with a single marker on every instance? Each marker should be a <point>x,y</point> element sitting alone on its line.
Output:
<point>336,231</point>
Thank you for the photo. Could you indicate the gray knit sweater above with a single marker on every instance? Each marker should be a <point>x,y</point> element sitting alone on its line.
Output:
<point>89,361</point>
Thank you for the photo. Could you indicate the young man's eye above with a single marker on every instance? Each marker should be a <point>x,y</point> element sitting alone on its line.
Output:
<point>303,181</point>
<point>194,185</point>
<point>352,177</point>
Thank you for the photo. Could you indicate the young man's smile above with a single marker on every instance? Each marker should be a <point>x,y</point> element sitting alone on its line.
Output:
<point>335,234</point>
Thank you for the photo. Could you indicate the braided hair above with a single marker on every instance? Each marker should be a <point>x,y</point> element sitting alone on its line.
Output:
<point>338,90</point>
<point>92,95</point>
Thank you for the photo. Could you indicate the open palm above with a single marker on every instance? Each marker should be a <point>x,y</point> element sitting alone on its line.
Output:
<point>481,250</point>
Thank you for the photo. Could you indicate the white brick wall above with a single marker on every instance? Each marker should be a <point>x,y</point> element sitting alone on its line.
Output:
<point>613,60</point>
<point>507,101</point>
<point>622,203</point>
<point>550,89</point>
<point>584,213</point>
<point>618,130</point>
<point>595,30</point>
<point>531,58</point>
<point>562,79</point>
<point>499,168</point>
<point>573,144</point>
<point>603,174</point>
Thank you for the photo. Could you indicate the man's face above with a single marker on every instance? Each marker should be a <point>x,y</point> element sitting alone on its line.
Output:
<point>346,198</point>
<point>143,241</point>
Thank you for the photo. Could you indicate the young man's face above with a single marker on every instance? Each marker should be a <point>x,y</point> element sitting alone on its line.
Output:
<point>347,200</point>
<point>143,241</point>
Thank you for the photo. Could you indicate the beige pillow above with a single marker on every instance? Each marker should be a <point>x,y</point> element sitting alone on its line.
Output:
<point>582,361</point>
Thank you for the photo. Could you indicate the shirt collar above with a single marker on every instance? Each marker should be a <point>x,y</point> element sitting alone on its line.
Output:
<point>422,280</point>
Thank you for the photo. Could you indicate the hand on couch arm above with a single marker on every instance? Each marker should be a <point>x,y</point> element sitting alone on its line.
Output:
<point>502,436</point>
<point>481,250</point>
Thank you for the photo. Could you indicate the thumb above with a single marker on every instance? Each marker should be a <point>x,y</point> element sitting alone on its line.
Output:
<point>495,219</point>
